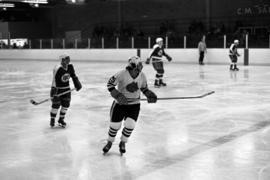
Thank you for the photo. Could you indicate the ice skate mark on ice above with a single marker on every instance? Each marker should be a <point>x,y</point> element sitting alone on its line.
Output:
<point>3,101</point>
<point>162,161</point>
<point>165,115</point>
<point>99,108</point>
<point>264,137</point>
<point>265,169</point>
<point>14,99</point>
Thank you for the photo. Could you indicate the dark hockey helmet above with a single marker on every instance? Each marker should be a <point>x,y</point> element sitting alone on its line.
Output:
<point>65,60</point>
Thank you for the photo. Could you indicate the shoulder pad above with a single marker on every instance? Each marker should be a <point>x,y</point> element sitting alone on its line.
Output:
<point>155,46</point>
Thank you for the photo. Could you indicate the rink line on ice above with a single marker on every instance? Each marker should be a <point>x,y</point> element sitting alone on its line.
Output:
<point>171,160</point>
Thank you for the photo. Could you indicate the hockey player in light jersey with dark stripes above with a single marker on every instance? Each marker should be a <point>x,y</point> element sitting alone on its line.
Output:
<point>126,87</point>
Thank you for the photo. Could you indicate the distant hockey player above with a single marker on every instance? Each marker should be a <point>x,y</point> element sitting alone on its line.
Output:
<point>202,50</point>
<point>60,83</point>
<point>233,54</point>
<point>156,56</point>
<point>125,87</point>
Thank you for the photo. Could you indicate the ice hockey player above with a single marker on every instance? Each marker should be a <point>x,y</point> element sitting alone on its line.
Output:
<point>202,50</point>
<point>156,57</point>
<point>233,54</point>
<point>125,87</point>
<point>60,83</point>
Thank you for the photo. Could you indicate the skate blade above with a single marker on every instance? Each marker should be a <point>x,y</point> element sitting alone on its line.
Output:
<point>62,126</point>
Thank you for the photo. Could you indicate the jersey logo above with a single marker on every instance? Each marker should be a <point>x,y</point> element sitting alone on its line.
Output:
<point>132,87</point>
<point>160,53</point>
<point>65,77</point>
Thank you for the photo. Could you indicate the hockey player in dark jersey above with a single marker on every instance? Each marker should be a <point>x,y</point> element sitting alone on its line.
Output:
<point>126,87</point>
<point>60,83</point>
<point>233,54</point>
<point>156,57</point>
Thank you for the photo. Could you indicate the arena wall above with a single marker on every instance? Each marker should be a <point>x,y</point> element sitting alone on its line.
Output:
<point>213,56</point>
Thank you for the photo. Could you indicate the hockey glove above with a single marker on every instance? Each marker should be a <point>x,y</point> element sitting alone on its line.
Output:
<point>147,61</point>
<point>169,58</point>
<point>119,97</point>
<point>77,83</point>
<point>53,95</point>
<point>151,96</point>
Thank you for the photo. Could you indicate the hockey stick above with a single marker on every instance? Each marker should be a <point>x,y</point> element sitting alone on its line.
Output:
<point>187,97</point>
<point>45,100</point>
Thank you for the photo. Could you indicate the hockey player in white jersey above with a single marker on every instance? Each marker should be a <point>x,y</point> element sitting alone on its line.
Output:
<point>156,57</point>
<point>233,54</point>
<point>126,87</point>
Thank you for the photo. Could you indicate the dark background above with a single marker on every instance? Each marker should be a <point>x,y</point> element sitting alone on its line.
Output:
<point>140,19</point>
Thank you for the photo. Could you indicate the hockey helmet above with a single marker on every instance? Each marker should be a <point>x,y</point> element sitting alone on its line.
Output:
<point>236,41</point>
<point>64,57</point>
<point>134,62</point>
<point>65,60</point>
<point>159,39</point>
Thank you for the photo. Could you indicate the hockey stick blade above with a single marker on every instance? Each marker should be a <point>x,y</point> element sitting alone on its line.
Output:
<point>45,100</point>
<point>187,97</point>
<point>33,102</point>
<point>37,103</point>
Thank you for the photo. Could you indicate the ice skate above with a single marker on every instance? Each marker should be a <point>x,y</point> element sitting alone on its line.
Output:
<point>107,147</point>
<point>122,147</point>
<point>231,67</point>
<point>162,83</point>
<point>156,84</point>
<point>52,123</point>
<point>62,123</point>
<point>235,68</point>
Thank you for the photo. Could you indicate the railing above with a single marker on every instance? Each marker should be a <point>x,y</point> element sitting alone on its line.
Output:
<point>187,41</point>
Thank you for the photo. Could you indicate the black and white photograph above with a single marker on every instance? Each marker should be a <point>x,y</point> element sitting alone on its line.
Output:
<point>134,89</point>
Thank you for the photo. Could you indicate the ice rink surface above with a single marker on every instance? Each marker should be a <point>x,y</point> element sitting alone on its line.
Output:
<point>224,136</point>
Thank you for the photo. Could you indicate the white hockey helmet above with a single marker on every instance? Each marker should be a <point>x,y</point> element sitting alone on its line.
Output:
<point>159,39</point>
<point>64,57</point>
<point>236,41</point>
<point>134,61</point>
